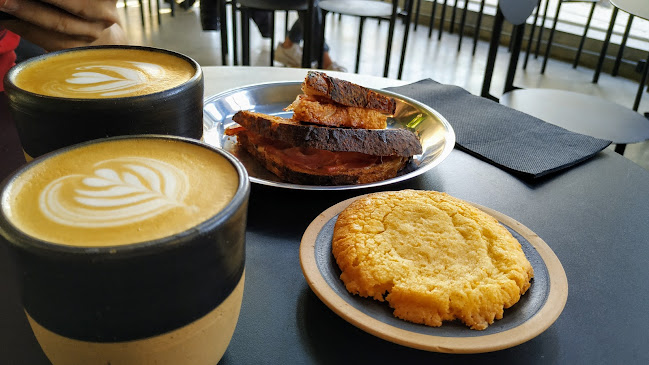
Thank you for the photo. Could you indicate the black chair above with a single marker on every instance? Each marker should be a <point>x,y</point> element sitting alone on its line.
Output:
<point>576,112</point>
<point>369,9</point>
<point>244,6</point>
<point>618,58</point>
<point>465,9</point>
<point>575,63</point>
<point>633,9</point>
<point>213,17</point>
<point>554,27</point>
<point>142,10</point>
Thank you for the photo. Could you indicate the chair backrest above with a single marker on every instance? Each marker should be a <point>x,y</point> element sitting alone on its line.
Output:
<point>516,12</point>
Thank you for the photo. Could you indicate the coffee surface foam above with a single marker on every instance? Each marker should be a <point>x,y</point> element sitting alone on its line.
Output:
<point>104,73</point>
<point>120,192</point>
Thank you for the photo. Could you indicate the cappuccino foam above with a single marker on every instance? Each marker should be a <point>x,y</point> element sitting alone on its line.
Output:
<point>120,192</point>
<point>104,73</point>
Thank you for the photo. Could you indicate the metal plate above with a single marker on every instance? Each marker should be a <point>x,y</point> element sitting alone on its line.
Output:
<point>436,134</point>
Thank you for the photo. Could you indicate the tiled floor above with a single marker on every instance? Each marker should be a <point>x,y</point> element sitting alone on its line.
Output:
<point>425,58</point>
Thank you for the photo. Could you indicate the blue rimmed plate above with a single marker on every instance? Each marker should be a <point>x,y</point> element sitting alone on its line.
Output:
<point>534,313</point>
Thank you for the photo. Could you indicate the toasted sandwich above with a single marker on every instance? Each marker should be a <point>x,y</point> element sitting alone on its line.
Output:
<point>339,103</point>
<point>335,139</point>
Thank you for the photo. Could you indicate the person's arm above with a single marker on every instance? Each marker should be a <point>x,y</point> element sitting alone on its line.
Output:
<point>60,24</point>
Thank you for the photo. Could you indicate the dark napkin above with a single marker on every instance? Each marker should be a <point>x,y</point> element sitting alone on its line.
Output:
<point>512,140</point>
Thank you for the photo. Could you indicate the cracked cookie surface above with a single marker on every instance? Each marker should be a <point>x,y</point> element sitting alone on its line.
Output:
<point>431,256</point>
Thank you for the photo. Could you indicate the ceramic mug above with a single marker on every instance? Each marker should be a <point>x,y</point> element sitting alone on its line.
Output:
<point>79,94</point>
<point>130,250</point>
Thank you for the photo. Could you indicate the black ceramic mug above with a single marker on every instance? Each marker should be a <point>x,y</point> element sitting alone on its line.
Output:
<point>75,95</point>
<point>130,250</point>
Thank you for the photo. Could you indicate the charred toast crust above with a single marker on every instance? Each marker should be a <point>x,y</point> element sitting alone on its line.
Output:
<point>346,93</point>
<point>365,175</point>
<point>376,142</point>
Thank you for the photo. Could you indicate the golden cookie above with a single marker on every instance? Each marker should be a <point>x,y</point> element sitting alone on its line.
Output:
<point>433,257</point>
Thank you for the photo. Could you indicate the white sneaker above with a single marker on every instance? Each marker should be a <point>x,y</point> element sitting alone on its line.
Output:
<point>290,57</point>
<point>336,67</point>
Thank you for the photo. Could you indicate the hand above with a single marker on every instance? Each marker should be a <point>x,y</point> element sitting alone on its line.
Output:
<point>60,24</point>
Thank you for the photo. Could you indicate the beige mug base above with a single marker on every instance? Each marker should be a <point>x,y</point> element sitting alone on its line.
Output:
<point>203,341</point>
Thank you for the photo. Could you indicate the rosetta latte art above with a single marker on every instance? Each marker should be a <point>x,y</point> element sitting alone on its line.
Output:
<point>118,192</point>
<point>110,81</point>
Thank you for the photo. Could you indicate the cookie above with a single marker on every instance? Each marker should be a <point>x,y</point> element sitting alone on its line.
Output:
<point>431,256</point>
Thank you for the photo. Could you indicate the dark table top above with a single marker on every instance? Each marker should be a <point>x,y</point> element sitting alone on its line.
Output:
<point>594,217</point>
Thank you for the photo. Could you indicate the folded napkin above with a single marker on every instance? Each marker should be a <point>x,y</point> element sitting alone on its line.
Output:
<point>512,140</point>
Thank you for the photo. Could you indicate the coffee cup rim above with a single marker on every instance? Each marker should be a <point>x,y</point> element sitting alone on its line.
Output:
<point>10,85</point>
<point>26,242</point>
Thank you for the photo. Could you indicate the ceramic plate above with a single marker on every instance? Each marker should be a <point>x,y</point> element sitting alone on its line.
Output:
<point>533,314</point>
<point>436,134</point>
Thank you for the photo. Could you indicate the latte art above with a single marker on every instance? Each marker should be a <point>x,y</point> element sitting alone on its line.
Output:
<point>108,80</point>
<point>104,73</point>
<point>118,192</point>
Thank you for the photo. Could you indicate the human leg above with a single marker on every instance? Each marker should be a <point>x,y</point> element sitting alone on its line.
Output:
<point>295,36</point>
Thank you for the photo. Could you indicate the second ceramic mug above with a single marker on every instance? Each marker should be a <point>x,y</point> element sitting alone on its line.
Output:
<point>129,250</point>
<point>80,94</point>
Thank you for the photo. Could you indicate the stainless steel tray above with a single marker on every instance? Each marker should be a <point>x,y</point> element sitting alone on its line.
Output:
<point>436,134</point>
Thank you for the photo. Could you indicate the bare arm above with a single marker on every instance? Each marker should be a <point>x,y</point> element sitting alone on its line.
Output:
<point>59,24</point>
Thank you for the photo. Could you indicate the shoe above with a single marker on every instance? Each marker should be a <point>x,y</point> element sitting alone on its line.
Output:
<point>290,57</point>
<point>336,67</point>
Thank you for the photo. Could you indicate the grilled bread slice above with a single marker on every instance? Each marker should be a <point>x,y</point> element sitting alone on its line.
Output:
<point>346,93</point>
<point>375,142</point>
<point>311,166</point>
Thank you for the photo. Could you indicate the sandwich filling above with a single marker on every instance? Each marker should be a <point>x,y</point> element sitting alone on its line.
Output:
<point>318,111</point>
<point>309,160</point>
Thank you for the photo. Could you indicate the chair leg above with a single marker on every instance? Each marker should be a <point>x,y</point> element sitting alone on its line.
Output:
<point>431,25</point>
<point>453,12</point>
<point>358,46</point>
<point>517,42</point>
<point>620,52</point>
<point>643,81</point>
<point>607,40</point>
<point>583,37</point>
<point>388,51</point>
<point>492,53</point>
<point>235,40</point>
<point>150,9</point>
<point>531,38</point>
<point>417,13</point>
<point>476,31</point>
<point>462,23</point>
<point>405,42</point>
<point>245,37</point>
<point>540,38</point>
<point>308,36</point>
<point>157,5</point>
<point>441,21</point>
<point>272,38</point>
<point>322,38</point>
<point>172,4</point>
<point>141,11</point>
<point>549,45</point>
<point>224,32</point>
